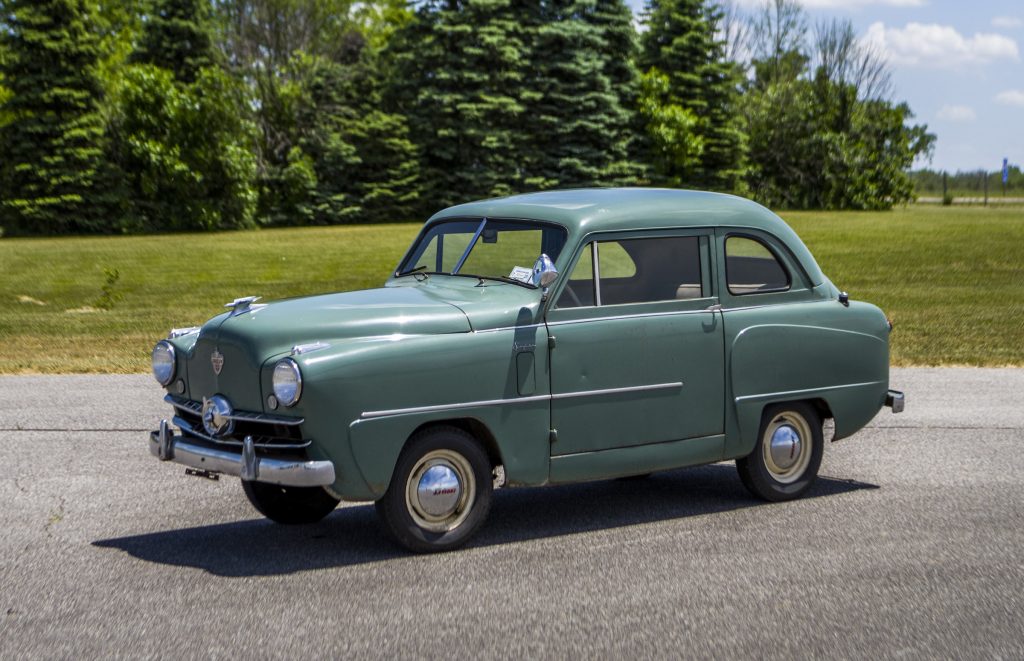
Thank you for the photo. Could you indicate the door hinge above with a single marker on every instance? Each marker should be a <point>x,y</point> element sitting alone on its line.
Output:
<point>551,342</point>
<point>553,436</point>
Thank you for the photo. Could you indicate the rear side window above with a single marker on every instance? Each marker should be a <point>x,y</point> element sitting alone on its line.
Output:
<point>752,268</point>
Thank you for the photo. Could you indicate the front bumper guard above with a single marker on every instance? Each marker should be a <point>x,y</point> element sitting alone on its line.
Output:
<point>894,399</point>
<point>169,447</point>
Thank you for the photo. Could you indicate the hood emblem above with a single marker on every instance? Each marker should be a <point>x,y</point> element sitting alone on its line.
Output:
<point>217,360</point>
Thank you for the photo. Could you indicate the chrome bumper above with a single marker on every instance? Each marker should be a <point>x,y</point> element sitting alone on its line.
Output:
<point>894,400</point>
<point>168,447</point>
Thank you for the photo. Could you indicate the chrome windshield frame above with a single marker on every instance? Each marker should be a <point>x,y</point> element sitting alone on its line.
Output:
<point>469,248</point>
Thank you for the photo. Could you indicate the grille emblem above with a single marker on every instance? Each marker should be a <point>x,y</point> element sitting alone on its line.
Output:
<point>217,420</point>
<point>217,360</point>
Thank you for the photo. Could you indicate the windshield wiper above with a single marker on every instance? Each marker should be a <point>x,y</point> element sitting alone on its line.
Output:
<point>413,272</point>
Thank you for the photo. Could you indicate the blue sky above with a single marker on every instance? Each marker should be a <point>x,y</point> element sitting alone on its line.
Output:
<point>959,64</point>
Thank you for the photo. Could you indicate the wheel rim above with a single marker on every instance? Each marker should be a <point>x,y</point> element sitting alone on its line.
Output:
<point>786,446</point>
<point>440,490</point>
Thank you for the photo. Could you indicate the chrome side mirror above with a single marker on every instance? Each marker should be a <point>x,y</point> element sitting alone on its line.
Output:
<point>544,272</point>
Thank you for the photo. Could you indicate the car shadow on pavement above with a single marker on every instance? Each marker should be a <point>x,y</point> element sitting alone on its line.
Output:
<point>351,536</point>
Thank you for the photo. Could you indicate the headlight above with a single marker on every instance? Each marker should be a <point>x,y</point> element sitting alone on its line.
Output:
<point>287,382</point>
<point>163,362</point>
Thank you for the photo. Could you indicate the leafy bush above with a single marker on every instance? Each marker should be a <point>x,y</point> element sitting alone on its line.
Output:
<point>186,151</point>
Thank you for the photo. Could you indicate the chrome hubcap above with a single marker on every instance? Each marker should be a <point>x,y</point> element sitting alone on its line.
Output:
<point>786,447</point>
<point>440,491</point>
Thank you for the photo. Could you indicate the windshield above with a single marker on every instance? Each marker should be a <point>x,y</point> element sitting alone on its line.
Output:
<point>485,248</point>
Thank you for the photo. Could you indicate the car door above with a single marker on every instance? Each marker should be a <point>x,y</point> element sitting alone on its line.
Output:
<point>637,356</point>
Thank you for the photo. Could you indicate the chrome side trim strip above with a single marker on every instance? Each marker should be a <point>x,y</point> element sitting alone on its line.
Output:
<point>524,327</point>
<point>787,393</point>
<point>678,312</point>
<point>615,391</point>
<point>449,407</point>
<point>774,305</point>
<point>366,415</point>
<point>667,313</point>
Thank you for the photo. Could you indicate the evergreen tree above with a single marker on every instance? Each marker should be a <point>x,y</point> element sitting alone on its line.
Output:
<point>53,175</point>
<point>682,43</point>
<point>621,53</point>
<point>582,86</point>
<point>510,94</point>
<point>176,36</point>
<point>457,71</point>
<point>348,160</point>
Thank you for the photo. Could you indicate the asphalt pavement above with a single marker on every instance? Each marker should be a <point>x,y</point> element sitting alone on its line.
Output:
<point>911,544</point>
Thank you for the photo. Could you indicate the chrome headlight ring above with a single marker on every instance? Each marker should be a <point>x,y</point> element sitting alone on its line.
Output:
<point>164,362</point>
<point>287,382</point>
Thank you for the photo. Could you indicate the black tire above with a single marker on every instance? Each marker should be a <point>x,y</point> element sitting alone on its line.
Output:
<point>797,468</point>
<point>289,505</point>
<point>453,507</point>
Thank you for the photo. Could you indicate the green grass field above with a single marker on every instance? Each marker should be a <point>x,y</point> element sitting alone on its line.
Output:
<point>952,280</point>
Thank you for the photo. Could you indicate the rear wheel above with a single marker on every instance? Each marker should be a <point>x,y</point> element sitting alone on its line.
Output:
<point>440,492</point>
<point>289,505</point>
<point>785,461</point>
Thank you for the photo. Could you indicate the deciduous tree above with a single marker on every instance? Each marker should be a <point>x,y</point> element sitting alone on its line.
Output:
<point>186,151</point>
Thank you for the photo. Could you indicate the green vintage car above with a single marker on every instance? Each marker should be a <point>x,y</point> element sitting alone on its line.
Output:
<point>537,339</point>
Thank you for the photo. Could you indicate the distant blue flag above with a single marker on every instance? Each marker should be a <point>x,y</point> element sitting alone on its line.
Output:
<point>1006,170</point>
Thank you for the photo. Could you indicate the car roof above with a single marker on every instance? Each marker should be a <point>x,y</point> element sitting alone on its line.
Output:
<point>588,210</point>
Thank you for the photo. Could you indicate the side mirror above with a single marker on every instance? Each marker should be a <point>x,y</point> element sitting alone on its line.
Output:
<point>544,272</point>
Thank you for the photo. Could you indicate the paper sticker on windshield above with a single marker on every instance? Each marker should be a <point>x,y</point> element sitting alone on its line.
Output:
<point>522,274</point>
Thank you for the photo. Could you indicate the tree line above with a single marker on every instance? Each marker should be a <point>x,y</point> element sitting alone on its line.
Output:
<point>931,182</point>
<point>124,116</point>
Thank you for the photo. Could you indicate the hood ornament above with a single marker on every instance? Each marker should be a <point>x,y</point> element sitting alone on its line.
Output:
<point>240,305</point>
<point>217,360</point>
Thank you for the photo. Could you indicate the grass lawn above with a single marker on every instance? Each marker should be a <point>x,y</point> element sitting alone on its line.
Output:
<point>952,280</point>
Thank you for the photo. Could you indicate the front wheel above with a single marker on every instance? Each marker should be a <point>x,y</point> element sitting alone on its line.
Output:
<point>785,461</point>
<point>440,492</point>
<point>289,505</point>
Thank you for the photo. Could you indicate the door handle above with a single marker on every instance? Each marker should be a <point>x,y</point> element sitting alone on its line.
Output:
<point>717,307</point>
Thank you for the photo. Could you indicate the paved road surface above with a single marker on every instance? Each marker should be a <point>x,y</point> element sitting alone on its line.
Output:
<point>912,545</point>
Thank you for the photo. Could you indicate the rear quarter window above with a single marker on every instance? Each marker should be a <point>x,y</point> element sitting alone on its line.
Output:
<point>752,268</point>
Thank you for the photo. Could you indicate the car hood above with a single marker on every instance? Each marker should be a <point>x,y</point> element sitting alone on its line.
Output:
<point>275,328</point>
<point>245,340</point>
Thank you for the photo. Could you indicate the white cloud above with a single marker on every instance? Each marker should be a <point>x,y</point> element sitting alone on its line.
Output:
<point>939,46</point>
<point>1011,98</point>
<point>1007,22</point>
<point>957,113</point>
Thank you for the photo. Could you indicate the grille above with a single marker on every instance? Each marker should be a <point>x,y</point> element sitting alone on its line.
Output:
<point>268,432</point>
